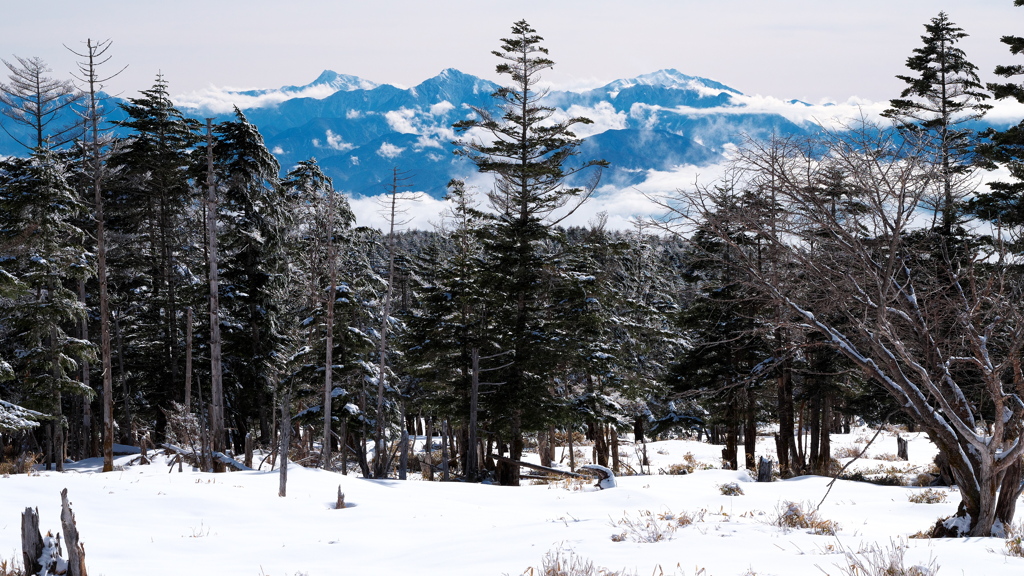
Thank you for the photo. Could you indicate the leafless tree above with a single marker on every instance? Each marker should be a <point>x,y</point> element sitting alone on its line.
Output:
<point>92,58</point>
<point>941,333</point>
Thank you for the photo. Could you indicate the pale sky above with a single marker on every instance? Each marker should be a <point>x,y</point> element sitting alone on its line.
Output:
<point>811,50</point>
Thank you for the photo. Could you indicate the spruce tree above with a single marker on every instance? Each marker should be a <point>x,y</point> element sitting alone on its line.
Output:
<point>942,96</point>
<point>529,155</point>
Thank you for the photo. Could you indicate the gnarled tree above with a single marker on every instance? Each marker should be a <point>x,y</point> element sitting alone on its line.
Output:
<point>943,339</point>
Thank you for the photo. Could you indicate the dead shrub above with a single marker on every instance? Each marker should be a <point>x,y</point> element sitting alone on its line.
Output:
<point>730,489</point>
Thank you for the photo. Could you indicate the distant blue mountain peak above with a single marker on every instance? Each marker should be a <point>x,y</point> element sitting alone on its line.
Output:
<point>673,80</point>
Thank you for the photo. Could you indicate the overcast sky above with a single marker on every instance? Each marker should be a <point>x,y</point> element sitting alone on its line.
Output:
<point>811,50</point>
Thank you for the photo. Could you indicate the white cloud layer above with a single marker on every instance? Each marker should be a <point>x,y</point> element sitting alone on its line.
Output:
<point>220,100</point>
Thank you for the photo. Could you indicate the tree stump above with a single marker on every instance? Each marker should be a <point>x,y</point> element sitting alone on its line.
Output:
<point>901,448</point>
<point>31,541</point>
<point>340,504</point>
<point>76,552</point>
<point>248,450</point>
<point>764,470</point>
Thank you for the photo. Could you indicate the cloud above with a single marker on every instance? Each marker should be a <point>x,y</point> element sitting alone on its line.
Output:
<point>441,108</point>
<point>277,150</point>
<point>336,142</point>
<point>220,100</point>
<point>401,120</point>
<point>389,150</point>
<point>603,115</point>
<point>352,114</point>
<point>419,211</point>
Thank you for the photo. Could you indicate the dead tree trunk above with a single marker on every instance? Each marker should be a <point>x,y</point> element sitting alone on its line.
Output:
<point>31,541</point>
<point>216,384</point>
<point>76,552</point>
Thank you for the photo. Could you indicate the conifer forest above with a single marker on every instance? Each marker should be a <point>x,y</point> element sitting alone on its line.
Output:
<point>164,280</point>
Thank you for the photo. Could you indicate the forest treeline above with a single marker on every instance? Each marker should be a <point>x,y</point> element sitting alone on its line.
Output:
<point>177,285</point>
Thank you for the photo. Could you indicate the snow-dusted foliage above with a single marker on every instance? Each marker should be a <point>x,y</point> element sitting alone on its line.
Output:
<point>14,418</point>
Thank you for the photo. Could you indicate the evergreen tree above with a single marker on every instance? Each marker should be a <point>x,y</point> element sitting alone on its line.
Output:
<point>44,249</point>
<point>1004,204</point>
<point>941,97</point>
<point>251,217</point>
<point>528,154</point>
<point>154,254</point>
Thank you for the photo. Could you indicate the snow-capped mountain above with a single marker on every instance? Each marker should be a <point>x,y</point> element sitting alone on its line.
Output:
<point>359,130</point>
<point>656,121</point>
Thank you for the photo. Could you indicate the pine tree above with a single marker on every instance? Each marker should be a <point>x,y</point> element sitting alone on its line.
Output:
<point>529,154</point>
<point>942,96</point>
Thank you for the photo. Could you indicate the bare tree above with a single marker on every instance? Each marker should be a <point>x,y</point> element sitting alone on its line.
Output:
<point>35,101</point>
<point>394,214</point>
<point>943,338</point>
<point>92,58</point>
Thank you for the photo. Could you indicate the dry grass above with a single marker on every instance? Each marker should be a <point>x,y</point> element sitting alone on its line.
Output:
<point>928,496</point>
<point>10,568</point>
<point>23,463</point>
<point>792,515</point>
<point>648,527</point>
<point>689,465</point>
<point>566,563</point>
<point>873,560</point>
<point>846,452</point>
<point>1015,541</point>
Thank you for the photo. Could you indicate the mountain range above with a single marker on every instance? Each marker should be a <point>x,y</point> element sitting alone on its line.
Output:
<point>359,130</point>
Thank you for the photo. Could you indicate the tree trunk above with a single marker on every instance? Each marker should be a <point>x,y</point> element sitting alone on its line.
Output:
<point>286,440</point>
<point>216,383</point>
<point>188,360</point>
<point>31,541</point>
<point>76,552</point>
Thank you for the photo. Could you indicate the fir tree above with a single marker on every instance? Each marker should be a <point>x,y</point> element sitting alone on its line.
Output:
<point>44,249</point>
<point>153,253</point>
<point>251,216</point>
<point>529,156</point>
<point>941,97</point>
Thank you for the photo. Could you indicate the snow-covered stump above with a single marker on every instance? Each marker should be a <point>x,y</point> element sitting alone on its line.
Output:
<point>901,448</point>
<point>340,503</point>
<point>764,469</point>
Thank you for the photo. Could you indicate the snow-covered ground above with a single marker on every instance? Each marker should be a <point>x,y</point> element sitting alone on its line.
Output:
<point>154,520</point>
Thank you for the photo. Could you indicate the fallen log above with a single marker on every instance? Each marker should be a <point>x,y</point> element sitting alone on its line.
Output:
<point>538,467</point>
<point>193,459</point>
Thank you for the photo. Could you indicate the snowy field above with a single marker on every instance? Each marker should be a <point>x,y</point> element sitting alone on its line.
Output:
<point>153,520</point>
